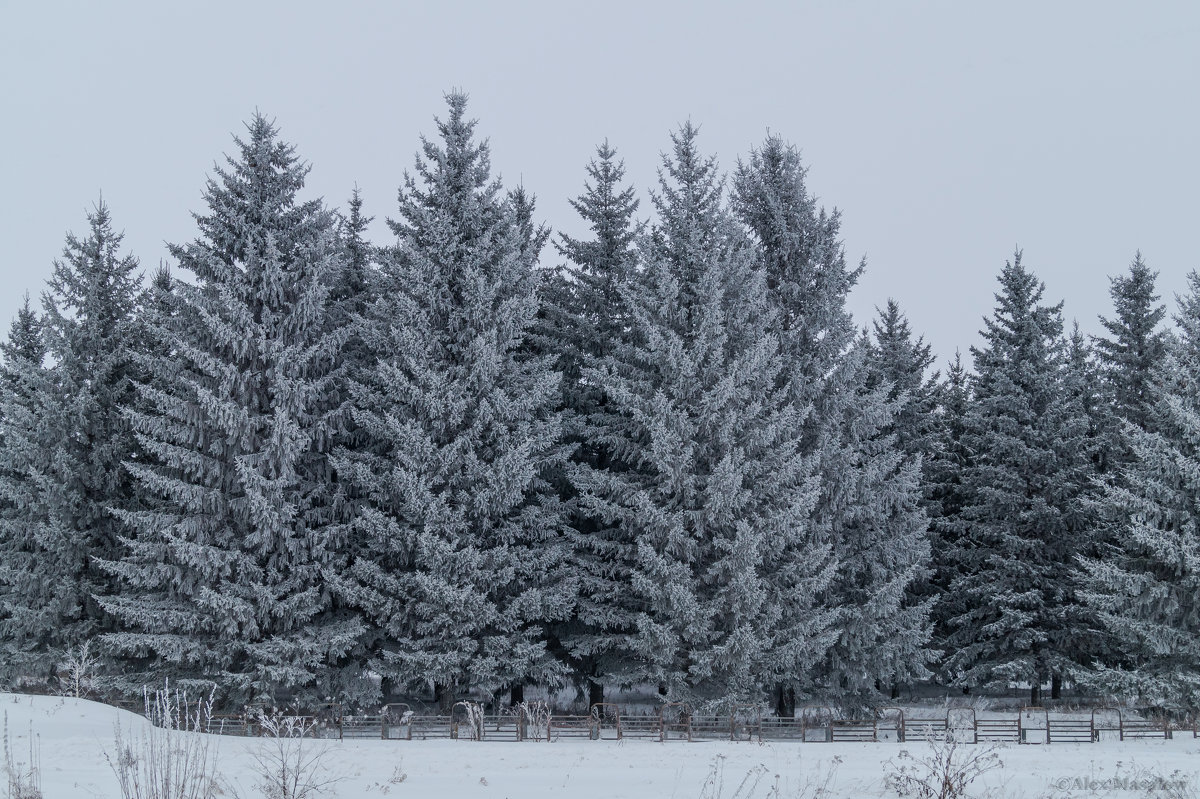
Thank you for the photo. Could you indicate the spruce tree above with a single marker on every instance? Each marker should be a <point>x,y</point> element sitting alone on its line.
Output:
<point>25,446</point>
<point>224,569</point>
<point>88,329</point>
<point>712,491</point>
<point>869,507</point>
<point>947,497</point>
<point>1025,519</point>
<point>1146,593</point>
<point>457,537</point>
<point>584,320</point>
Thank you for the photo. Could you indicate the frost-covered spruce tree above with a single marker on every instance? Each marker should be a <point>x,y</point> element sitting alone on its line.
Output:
<point>222,572</point>
<point>1146,593</point>
<point>88,330</point>
<point>1128,356</point>
<point>900,362</point>
<point>457,537</point>
<point>25,445</point>
<point>583,321</point>
<point>1024,519</point>
<point>869,507</point>
<point>947,495</point>
<point>713,493</point>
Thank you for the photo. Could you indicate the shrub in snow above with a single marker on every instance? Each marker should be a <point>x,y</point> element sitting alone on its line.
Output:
<point>290,763</point>
<point>171,758</point>
<point>23,780</point>
<point>946,771</point>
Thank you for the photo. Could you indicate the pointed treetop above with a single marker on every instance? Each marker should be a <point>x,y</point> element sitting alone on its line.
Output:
<point>1019,323</point>
<point>92,279</point>
<point>24,336</point>
<point>689,185</point>
<point>771,189</point>
<point>452,176</point>
<point>251,198</point>
<point>608,208</point>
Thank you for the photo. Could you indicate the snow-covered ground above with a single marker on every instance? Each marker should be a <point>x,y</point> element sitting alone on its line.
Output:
<point>74,735</point>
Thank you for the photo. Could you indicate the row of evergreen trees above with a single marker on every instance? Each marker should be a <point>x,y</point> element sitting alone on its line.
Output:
<point>326,468</point>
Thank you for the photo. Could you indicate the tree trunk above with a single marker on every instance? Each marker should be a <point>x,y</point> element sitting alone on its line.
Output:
<point>1035,695</point>
<point>895,690</point>
<point>443,697</point>
<point>1056,687</point>
<point>966,690</point>
<point>595,693</point>
<point>785,701</point>
<point>516,694</point>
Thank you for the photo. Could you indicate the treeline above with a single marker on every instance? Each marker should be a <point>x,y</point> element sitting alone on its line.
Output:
<point>319,467</point>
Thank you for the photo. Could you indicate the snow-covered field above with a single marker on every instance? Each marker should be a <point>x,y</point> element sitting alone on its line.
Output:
<point>74,735</point>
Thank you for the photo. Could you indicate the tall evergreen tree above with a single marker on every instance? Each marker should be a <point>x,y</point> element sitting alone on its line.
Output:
<point>1025,520</point>
<point>948,495</point>
<point>583,321</point>
<point>1146,594</point>
<point>458,541</point>
<point>714,494</point>
<point>88,325</point>
<point>25,446</point>
<point>223,572</point>
<point>869,508</point>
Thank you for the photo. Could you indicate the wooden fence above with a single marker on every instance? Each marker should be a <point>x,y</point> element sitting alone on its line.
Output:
<point>677,722</point>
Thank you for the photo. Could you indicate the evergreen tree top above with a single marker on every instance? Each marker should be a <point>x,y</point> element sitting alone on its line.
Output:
<point>1136,342</point>
<point>609,210</point>
<point>24,341</point>
<point>772,198</point>
<point>1134,300</point>
<point>452,181</point>
<point>802,254</point>
<point>251,203</point>
<point>90,286</point>
<point>904,360</point>
<point>688,202</point>
<point>533,236</point>
<point>1187,345</point>
<point>1021,330</point>
<point>353,227</point>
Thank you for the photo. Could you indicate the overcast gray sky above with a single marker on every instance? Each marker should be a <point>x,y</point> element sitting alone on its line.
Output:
<point>947,132</point>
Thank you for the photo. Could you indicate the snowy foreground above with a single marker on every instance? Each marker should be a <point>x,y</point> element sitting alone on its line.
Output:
<point>74,735</point>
